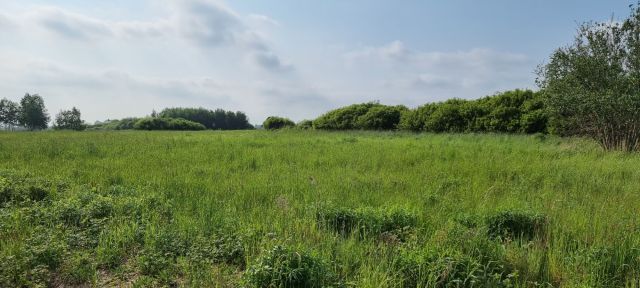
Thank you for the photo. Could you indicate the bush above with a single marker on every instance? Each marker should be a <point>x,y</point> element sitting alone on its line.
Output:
<point>381,118</point>
<point>367,222</point>
<point>281,267</point>
<point>345,118</point>
<point>155,123</point>
<point>511,224</point>
<point>274,123</point>
<point>367,116</point>
<point>305,124</point>
<point>18,190</point>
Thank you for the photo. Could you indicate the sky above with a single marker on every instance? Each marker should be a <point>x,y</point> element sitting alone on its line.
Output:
<point>120,58</point>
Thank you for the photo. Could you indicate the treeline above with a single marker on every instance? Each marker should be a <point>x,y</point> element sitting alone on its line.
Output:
<point>517,111</point>
<point>30,113</point>
<point>181,119</point>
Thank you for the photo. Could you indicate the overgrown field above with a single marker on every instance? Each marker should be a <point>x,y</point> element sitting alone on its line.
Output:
<point>312,209</point>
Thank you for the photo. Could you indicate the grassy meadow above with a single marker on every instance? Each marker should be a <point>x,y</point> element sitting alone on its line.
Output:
<point>310,209</point>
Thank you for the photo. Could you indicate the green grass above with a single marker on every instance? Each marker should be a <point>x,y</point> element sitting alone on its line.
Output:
<point>202,208</point>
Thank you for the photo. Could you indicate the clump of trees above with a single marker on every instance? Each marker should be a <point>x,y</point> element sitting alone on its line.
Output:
<point>212,119</point>
<point>69,120</point>
<point>369,116</point>
<point>274,123</point>
<point>593,85</point>
<point>163,123</point>
<point>30,113</point>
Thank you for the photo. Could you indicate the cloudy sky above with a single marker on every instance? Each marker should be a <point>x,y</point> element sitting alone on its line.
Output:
<point>118,58</point>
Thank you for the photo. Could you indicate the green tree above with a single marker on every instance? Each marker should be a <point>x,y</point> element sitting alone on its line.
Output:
<point>9,112</point>
<point>69,120</point>
<point>592,86</point>
<point>33,114</point>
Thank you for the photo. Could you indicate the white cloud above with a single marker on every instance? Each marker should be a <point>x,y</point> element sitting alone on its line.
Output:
<point>207,24</point>
<point>413,71</point>
<point>5,21</point>
<point>261,20</point>
<point>270,61</point>
<point>67,24</point>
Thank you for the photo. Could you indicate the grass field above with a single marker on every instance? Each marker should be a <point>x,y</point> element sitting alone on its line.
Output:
<point>305,208</point>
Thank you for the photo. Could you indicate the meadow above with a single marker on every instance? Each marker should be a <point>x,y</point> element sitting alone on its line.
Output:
<point>296,208</point>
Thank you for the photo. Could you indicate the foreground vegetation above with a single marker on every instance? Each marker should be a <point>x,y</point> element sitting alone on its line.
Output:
<point>310,209</point>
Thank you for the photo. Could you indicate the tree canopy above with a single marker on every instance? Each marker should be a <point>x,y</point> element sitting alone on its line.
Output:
<point>69,120</point>
<point>33,114</point>
<point>593,85</point>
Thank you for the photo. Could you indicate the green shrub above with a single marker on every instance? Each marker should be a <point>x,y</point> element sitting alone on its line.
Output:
<point>514,224</point>
<point>23,189</point>
<point>274,123</point>
<point>305,124</point>
<point>366,116</point>
<point>367,222</point>
<point>381,118</point>
<point>79,268</point>
<point>450,269</point>
<point>281,267</point>
<point>159,123</point>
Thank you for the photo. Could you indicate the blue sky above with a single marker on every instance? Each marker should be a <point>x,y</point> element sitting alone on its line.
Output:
<point>290,58</point>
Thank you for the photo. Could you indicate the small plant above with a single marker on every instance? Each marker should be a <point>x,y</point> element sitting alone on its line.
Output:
<point>281,267</point>
<point>79,268</point>
<point>451,269</point>
<point>22,189</point>
<point>367,222</point>
<point>512,224</point>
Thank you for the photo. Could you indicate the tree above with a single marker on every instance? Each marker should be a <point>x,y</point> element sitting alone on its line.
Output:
<point>274,123</point>
<point>33,113</point>
<point>69,120</point>
<point>592,86</point>
<point>9,112</point>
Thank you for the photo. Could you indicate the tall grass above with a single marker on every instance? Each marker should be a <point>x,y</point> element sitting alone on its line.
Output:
<point>262,190</point>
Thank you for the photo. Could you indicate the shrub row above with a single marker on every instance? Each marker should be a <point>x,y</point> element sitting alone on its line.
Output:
<point>517,111</point>
<point>158,123</point>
